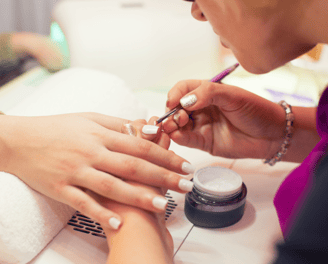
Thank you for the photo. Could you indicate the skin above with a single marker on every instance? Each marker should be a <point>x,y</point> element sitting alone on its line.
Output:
<point>129,244</point>
<point>40,47</point>
<point>228,121</point>
<point>278,35</point>
<point>64,156</point>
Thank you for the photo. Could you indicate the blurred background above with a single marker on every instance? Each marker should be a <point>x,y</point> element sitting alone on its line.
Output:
<point>151,44</point>
<point>26,15</point>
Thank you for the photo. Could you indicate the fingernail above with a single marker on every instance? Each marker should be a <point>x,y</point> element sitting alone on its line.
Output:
<point>186,185</point>
<point>188,168</point>
<point>176,118</point>
<point>188,100</point>
<point>164,121</point>
<point>167,102</point>
<point>130,130</point>
<point>160,203</point>
<point>150,130</point>
<point>114,223</point>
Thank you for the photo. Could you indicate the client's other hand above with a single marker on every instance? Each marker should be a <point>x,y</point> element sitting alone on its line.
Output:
<point>42,48</point>
<point>130,242</point>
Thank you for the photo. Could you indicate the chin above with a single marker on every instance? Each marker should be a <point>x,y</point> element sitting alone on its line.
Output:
<point>261,66</point>
<point>256,68</point>
<point>270,61</point>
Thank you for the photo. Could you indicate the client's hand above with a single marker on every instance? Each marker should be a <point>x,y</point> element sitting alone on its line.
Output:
<point>62,156</point>
<point>143,238</point>
<point>147,130</point>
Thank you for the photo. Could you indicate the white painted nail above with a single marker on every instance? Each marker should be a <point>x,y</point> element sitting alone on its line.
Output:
<point>150,130</point>
<point>160,203</point>
<point>188,100</point>
<point>186,185</point>
<point>188,168</point>
<point>114,222</point>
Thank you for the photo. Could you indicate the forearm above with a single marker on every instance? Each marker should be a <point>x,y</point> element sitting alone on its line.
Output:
<point>21,43</point>
<point>8,56</point>
<point>141,239</point>
<point>305,135</point>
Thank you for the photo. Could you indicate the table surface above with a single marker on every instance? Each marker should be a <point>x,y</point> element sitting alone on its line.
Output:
<point>251,240</point>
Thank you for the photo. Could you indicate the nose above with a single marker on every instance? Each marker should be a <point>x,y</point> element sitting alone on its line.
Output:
<point>197,13</point>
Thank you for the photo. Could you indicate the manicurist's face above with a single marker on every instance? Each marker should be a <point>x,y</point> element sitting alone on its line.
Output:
<point>262,34</point>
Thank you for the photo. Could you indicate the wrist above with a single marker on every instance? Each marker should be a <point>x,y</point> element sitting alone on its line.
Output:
<point>275,130</point>
<point>130,241</point>
<point>288,133</point>
<point>133,219</point>
<point>305,136</point>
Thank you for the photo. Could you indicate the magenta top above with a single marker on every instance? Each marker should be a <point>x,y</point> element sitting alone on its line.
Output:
<point>292,191</point>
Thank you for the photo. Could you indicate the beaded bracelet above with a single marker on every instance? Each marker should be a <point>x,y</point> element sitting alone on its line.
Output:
<point>288,134</point>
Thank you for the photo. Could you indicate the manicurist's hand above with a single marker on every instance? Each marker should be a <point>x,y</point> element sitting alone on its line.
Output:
<point>63,156</point>
<point>224,120</point>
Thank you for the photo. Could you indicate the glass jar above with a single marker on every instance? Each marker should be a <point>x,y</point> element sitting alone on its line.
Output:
<point>217,199</point>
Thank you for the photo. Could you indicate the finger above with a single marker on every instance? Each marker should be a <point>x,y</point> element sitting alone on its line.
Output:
<point>133,128</point>
<point>148,132</point>
<point>146,150</point>
<point>140,170</point>
<point>109,122</point>
<point>152,121</point>
<point>130,130</point>
<point>188,138</point>
<point>180,90</point>
<point>163,140</point>
<point>140,128</point>
<point>180,119</point>
<point>151,131</point>
<point>118,190</point>
<point>82,202</point>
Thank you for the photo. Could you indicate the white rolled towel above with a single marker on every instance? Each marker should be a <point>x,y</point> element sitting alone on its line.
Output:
<point>28,219</point>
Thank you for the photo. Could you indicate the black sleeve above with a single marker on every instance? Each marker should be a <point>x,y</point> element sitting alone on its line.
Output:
<point>307,242</point>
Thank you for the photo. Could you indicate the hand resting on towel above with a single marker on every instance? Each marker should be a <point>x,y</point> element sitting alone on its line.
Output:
<point>63,156</point>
